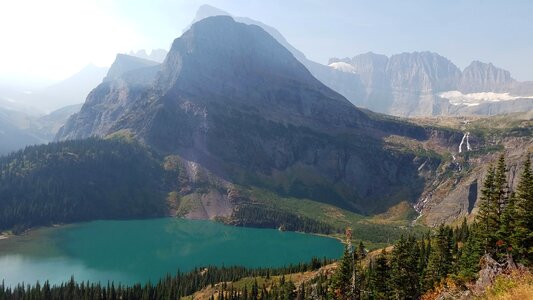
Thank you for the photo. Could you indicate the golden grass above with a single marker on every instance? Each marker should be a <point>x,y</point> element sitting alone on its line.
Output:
<point>517,286</point>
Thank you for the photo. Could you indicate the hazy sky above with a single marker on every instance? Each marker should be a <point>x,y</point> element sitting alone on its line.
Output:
<point>55,38</point>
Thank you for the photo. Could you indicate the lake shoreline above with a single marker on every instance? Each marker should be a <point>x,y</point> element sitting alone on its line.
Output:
<point>4,236</point>
<point>131,251</point>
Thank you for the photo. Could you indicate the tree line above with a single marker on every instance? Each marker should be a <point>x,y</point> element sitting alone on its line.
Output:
<point>169,287</point>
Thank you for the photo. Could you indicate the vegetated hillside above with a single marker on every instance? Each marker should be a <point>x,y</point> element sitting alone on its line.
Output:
<point>232,103</point>
<point>79,180</point>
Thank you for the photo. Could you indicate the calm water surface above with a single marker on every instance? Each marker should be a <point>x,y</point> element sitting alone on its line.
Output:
<point>142,250</point>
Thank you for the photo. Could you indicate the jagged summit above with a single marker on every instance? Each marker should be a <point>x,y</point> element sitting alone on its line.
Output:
<point>206,11</point>
<point>485,77</point>
<point>125,63</point>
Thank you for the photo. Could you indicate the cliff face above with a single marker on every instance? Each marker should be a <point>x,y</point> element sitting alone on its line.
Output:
<point>413,84</point>
<point>482,77</point>
<point>232,100</point>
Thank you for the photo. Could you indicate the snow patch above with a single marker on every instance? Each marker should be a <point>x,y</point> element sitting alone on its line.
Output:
<point>342,66</point>
<point>474,99</point>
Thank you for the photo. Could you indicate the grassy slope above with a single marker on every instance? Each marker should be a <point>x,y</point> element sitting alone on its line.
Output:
<point>375,231</point>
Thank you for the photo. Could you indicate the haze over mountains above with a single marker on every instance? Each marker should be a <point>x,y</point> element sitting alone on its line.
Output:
<point>411,84</point>
<point>425,84</point>
<point>30,115</point>
<point>235,105</point>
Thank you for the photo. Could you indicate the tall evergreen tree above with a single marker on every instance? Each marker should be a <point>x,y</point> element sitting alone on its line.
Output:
<point>501,200</point>
<point>488,213</point>
<point>380,278</point>
<point>440,258</point>
<point>523,227</point>
<point>404,269</point>
<point>342,279</point>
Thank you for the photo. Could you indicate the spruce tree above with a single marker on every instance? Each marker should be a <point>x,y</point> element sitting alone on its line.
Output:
<point>380,278</point>
<point>342,279</point>
<point>404,269</point>
<point>501,201</point>
<point>440,258</point>
<point>487,216</point>
<point>523,227</point>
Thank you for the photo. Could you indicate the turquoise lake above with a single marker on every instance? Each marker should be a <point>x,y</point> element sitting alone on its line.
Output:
<point>141,250</point>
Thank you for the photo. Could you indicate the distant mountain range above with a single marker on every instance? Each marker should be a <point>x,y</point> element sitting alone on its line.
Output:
<point>426,84</point>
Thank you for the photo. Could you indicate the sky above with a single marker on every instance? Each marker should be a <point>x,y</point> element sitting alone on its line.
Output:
<point>53,39</point>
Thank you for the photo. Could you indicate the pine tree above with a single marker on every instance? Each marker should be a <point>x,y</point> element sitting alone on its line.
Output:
<point>440,258</point>
<point>380,278</point>
<point>501,200</point>
<point>487,217</point>
<point>342,279</point>
<point>404,269</point>
<point>523,227</point>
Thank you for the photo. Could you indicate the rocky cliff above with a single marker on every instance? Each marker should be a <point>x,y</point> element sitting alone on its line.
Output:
<point>419,83</point>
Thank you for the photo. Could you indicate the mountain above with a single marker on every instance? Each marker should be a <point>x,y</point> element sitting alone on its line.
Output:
<point>347,84</point>
<point>234,104</point>
<point>19,129</point>
<point>126,63</point>
<point>482,77</point>
<point>418,79</point>
<point>13,133</point>
<point>157,55</point>
<point>70,91</point>
<point>427,84</point>
<point>47,126</point>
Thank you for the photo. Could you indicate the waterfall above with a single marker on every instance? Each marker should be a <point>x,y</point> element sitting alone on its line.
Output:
<point>461,144</point>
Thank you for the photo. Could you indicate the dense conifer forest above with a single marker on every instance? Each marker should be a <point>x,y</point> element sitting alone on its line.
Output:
<point>79,180</point>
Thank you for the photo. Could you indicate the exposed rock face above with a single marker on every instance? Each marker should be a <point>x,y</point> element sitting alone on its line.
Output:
<point>482,77</point>
<point>125,63</point>
<point>453,193</point>
<point>156,55</point>
<point>410,84</point>
<point>233,100</point>
<point>422,72</point>
<point>125,83</point>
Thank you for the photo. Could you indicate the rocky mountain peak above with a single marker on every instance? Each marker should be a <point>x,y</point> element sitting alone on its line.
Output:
<point>230,49</point>
<point>125,63</point>
<point>484,77</point>
<point>422,71</point>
